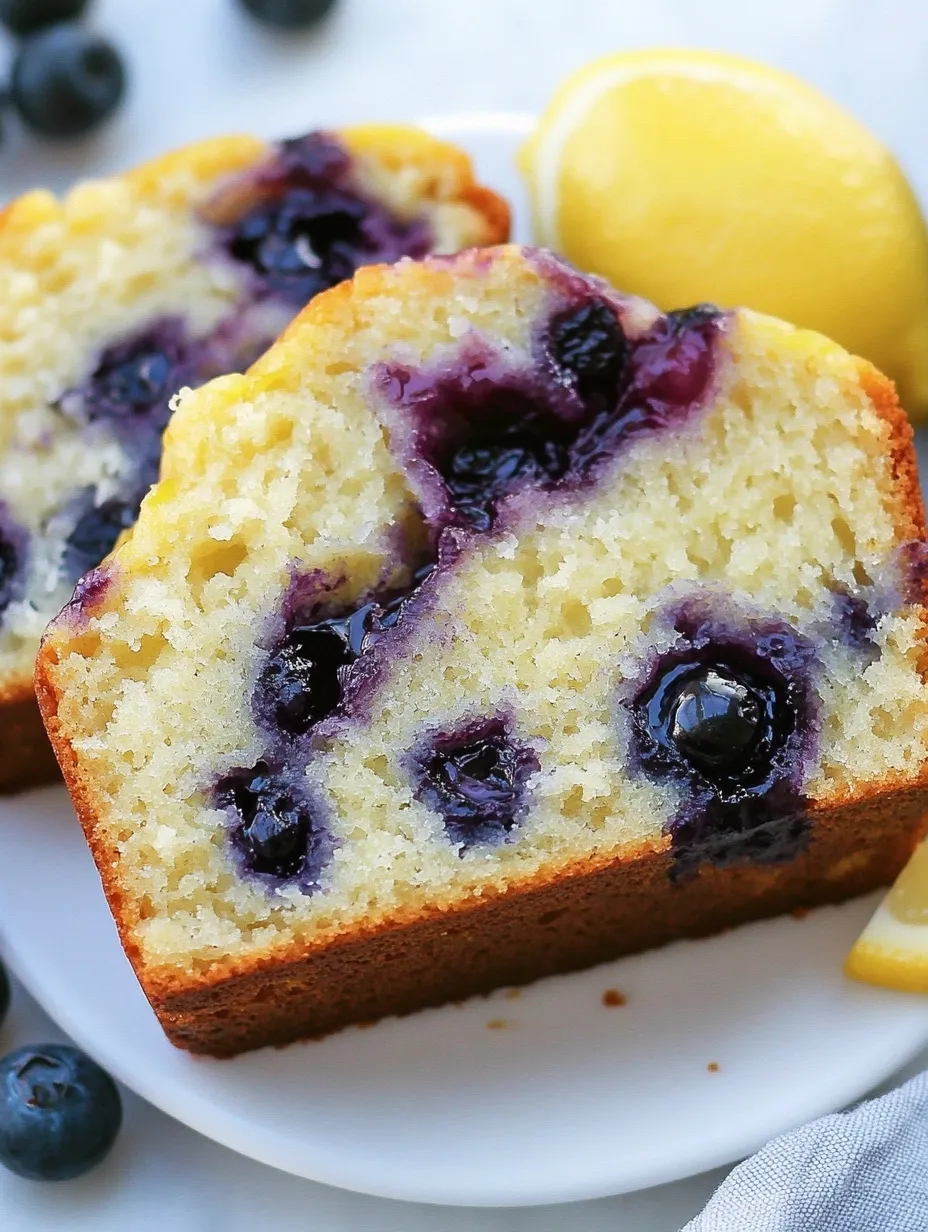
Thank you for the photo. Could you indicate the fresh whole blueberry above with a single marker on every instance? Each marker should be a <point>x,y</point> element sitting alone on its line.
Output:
<point>4,993</point>
<point>715,719</point>
<point>289,14</point>
<point>26,16</point>
<point>66,81</point>
<point>59,1112</point>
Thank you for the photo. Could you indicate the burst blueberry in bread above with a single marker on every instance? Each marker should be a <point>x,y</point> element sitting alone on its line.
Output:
<point>494,624</point>
<point>114,298</point>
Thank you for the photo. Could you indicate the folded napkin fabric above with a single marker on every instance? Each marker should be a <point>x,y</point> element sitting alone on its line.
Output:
<point>865,1170</point>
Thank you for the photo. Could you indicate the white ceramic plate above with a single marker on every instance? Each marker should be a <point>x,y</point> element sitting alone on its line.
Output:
<point>545,1097</point>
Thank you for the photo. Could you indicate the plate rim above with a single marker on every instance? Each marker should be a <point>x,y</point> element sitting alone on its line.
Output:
<point>265,1147</point>
<point>257,1142</point>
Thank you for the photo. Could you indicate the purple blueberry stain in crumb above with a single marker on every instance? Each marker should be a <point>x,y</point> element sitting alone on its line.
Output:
<point>474,778</point>
<point>277,832</point>
<point>477,427</point>
<point>89,593</point>
<point>132,384</point>
<point>301,225</point>
<point>667,375</point>
<point>481,429</point>
<point>856,620</point>
<point>322,644</point>
<point>728,714</point>
<point>912,567</point>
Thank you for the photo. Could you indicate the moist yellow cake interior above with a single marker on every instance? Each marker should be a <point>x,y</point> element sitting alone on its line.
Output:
<point>114,255</point>
<point>774,494</point>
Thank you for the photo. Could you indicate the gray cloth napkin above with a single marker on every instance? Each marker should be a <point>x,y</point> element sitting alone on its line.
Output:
<point>860,1171</point>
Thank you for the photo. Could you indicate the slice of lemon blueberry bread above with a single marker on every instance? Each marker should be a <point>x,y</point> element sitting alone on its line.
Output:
<point>494,624</point>
<point>114,298</point>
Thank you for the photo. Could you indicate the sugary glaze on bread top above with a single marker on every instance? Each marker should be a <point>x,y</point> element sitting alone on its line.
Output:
<point>131,288</point>
<point>483,576</point>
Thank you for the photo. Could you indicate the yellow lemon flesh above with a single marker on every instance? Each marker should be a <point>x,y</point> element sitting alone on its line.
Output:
<point>685,176</point>
<point>893,948</point>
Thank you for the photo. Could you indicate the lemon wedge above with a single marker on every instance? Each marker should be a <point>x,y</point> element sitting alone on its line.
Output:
<point>893,948</point>
<point>685,176</point>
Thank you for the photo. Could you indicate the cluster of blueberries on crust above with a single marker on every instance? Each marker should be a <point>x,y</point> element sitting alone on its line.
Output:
<point>477,431</point>
<point>300,228</point>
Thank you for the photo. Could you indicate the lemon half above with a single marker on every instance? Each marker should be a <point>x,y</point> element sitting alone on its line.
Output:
<point>685,176</point>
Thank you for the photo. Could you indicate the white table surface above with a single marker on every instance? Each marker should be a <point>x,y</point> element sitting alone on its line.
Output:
<point>199,68</point>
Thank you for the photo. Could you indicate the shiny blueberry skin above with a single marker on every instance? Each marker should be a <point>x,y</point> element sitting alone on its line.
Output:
<point>304,679</point>
<point>487,429</point>
<point>714,719</point>
<point>276,833</point>
<point>307,227</point>
<point>66,81</point>
<point>588,346</point>
<point>4,993</point>
<point>59,1112</point>
<point>728,716</point>
<point>26,16</point>
<point>289,14</point>
<point>475,779</point>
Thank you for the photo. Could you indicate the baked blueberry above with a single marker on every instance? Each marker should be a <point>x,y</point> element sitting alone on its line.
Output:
<point>275,830</point>
<point>134,380</point>
<point>505,454</point>
<point>26,16</point>
<point>484,429</point>
<point>289,14</point>
<point>475,779</point>
<point>304,679</point>
<point>715,719</point>
<point>66,81</point>
<point>301,682</point>
<point>664,376</point>
<point>588,346</point>
<point>306,226</point>
<point>729,716</point>
<point>59,1112</point>
<point>95,532</point>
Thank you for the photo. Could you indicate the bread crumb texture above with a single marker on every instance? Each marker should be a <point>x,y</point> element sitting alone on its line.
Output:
<point>784,488</point>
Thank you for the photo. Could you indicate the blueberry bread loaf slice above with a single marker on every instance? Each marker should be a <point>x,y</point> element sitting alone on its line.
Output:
<point>114,298</point>
<point>494,624</point>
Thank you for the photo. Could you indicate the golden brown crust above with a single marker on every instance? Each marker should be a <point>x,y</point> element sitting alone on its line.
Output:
<point>910,518</point>
<point>28,759</point>
<point>581,917</point>
<point>575,921</point>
